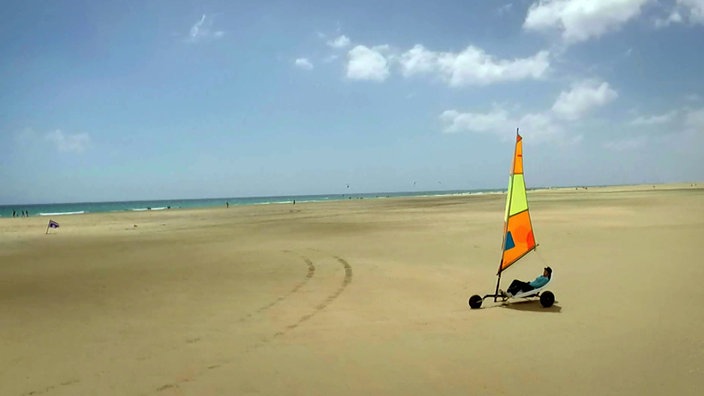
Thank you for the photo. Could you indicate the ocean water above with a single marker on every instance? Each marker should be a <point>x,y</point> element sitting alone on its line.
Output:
<point>77,208</point>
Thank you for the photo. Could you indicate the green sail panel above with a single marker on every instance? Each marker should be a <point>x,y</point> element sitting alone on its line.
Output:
<point>519,200</point>
<point>516,200</point>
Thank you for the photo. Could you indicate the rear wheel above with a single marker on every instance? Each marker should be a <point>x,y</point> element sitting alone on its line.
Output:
<point>475,301</point>
<point>547,299</point>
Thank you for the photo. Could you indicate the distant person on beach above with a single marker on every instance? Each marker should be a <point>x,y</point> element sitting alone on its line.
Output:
<point>227,204</point>
<point>518,286</point>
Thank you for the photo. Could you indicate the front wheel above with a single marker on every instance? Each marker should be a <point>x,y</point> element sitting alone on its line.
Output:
<point>475,301</point>
<point>547,299</point>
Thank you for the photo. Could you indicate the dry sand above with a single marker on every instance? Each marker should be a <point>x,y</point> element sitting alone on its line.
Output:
<point>359,297</point>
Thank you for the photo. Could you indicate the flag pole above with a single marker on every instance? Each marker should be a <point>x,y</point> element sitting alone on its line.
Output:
<point>49,226</point>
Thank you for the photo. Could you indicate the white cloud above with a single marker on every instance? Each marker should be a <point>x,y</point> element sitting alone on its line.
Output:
<point>67,142</point>
<point>583,97</point>
<point>542,126</point>
<point>303,63</point>
<point>202,30</point>
<point>695,9</point>
<point>629,144</point>
<point>494,121</point>
<point>694,120</point>
<point>340,42</point>
<point>581,20</point>
<point>472,66</point>
<point>674,17</point>
<point>653,120</point>
<point>684,11</point>
<point>685,128</point>
<point>418,60</point>
<point>504,9</point>
<point>368,63</point>
<point>498,121</point>
<point>693,97</point>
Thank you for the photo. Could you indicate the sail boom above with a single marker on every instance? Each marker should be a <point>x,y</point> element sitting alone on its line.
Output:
<point>502,269</point>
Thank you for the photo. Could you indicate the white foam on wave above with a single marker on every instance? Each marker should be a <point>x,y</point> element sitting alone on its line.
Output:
<point>145,209</point>
<point>62,213</point>
<point>273,202</point>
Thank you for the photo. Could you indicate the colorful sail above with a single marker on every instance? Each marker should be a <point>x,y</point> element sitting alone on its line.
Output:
<point>518,230</point>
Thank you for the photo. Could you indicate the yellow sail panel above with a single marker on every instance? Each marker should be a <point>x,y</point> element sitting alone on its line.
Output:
<point>517,200</point>
<point>518,230</point>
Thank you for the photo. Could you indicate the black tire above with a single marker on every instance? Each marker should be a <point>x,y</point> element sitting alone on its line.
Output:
<point>547,299</point>
<point>475,301</point>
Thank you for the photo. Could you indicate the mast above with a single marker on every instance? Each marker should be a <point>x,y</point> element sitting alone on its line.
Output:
<point>508,206</point>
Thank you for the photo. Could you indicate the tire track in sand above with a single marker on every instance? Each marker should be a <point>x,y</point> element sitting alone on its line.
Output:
<point>345,282</point>
<point>321,306</point>
<point>296,287</point>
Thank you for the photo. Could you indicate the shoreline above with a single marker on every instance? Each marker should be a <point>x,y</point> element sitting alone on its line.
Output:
<point>254,201</point>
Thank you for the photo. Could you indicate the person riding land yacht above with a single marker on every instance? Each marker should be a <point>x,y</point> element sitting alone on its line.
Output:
<point>518,286</point>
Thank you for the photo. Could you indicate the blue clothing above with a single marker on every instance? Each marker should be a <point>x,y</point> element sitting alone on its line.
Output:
<point>539,282</point>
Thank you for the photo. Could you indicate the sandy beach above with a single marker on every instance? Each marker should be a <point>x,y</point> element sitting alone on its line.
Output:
<point>357,297</point>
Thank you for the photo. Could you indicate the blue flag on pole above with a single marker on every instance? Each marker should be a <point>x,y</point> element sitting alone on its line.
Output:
<point>53,224</point>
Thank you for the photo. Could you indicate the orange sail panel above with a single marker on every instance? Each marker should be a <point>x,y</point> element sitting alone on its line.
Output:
<point>518,230</point>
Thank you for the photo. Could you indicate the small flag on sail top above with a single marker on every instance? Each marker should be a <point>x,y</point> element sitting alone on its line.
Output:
<point>52,224</point>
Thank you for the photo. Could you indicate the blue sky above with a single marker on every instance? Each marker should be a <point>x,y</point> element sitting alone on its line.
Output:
<point>195,99</point>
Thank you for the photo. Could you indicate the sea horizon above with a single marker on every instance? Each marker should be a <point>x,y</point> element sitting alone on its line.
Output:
<point>75,208</point>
